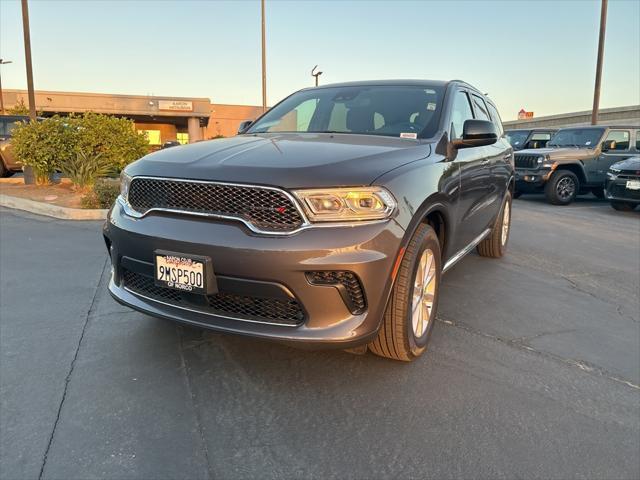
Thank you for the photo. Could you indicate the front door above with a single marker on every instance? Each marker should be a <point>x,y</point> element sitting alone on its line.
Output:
<point>616,147</point>
<point>474,166</point>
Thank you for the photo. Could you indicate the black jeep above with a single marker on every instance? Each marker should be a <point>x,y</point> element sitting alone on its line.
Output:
<point>575,162</point>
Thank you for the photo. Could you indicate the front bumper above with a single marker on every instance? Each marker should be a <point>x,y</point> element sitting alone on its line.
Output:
<point>531,180</point>
<point>260,266</point>
<point>615,189</point>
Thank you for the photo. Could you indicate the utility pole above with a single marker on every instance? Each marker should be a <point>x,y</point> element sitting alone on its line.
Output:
<point>2,62</point>
<point>264,64</point>
<point>27,55</point>
<point>596,91</point>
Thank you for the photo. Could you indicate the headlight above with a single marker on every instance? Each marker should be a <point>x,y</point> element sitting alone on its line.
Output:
<point>540,160</point>
<point>125,181</point>
<point>345,204</point>
<point>614,170</point>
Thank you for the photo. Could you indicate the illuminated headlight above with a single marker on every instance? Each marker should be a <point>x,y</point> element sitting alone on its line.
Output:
<point>125,182</point>
<point>346,204</point>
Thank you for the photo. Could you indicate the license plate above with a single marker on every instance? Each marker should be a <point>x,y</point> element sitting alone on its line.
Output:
<point>633,184</point>
<point>179,271</point>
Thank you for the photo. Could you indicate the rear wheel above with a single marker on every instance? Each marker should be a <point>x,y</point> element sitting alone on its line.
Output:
<point>411,311</point>
<point>495,245</point>
<point>4,171</point>
<point>623,206</point>
<point>562,187</point>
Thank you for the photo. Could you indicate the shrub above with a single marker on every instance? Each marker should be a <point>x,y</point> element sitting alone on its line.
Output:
<point>43,146</point>
<point>84,168</point>
<point>103,194</point>
<point>114,138</point>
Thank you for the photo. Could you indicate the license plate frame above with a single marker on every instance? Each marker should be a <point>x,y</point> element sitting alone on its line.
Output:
<point>184,263</point>
<point>633,185</point>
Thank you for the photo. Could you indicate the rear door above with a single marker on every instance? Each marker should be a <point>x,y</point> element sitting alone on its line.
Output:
<point>474,174</point>
<point>616,147</point>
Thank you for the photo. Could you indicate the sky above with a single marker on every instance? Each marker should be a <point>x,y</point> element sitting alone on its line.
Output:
<point>537,55</point>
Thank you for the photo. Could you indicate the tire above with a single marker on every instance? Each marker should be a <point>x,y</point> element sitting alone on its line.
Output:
<point>495,244</point>
<point>598,192</point>
<point>4,171</point>
<point>562,187</point>
<point>517,195</point>
<point>623,206</point>
<point>399,337</point>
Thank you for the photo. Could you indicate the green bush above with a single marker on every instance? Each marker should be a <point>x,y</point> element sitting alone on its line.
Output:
<point>84,168</point>
<point>107,143</point>
<point>43,146</point>
<point>103,194</point>
<point>114,138</point>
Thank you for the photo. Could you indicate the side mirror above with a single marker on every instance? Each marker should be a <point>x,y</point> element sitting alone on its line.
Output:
<point>610,145</point>
<point>477,133</point>
<point>244,126</point>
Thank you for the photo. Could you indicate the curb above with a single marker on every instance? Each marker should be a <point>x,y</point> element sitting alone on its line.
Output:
<point>55,211</point>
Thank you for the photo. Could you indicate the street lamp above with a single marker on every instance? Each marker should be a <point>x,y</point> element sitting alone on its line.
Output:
<point>315,74</point>
<point>2,62</point>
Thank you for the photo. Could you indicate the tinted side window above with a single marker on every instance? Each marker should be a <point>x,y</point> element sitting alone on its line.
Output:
<point>460,112</point>
<point>480,108</point>
<point>3,128</point>
<point>637,139</point>
<point>617,140</point>
<point>496,118</point>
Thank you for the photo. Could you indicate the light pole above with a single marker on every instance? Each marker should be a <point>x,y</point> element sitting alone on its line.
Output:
<point>27,55</point>
<point>596,90</point>
<point>315,74</point>
<point>2,62</point>
<point>264,63</point>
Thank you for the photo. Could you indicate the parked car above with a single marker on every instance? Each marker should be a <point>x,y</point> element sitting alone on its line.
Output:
<point>525,138</point>
<point>8,162</point>
<point>575,162</point>
<point>622,187</point>
<point>326,222</point>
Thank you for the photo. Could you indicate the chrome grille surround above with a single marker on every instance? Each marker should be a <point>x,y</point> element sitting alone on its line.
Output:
<point>264,210</point>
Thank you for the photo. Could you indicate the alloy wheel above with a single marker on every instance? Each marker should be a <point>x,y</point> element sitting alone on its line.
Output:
<point>565,188</point>
<point>424,289</point>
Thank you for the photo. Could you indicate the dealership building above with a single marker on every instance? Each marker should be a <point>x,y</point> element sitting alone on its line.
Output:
<point>184,119</point>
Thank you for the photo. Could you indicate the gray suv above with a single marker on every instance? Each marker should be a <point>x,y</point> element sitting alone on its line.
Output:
<point>326,222</point>
<point>575,162</point>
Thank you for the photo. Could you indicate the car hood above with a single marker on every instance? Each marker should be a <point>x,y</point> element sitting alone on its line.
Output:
<point>285,160</point>
<point>560,153</point>
<point>631,163</point>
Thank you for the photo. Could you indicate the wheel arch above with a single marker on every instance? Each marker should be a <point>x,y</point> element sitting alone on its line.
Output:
<point>575,168</point>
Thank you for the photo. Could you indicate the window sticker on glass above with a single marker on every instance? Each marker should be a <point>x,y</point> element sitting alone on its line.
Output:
<point>431,106</point>
<point>409,135</point>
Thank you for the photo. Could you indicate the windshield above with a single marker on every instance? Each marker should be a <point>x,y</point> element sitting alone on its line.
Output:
<point>394,111</point>
<point>576,137</point>
<point>517,137</point>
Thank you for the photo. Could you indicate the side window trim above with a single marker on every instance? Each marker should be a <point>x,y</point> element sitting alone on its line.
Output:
<point>474,106</point>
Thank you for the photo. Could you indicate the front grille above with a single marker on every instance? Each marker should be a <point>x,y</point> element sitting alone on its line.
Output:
<point>353,294</point>
<point>621,191</point>
<point>629,176</point>
<point>266,209</point>
<point>243,307</point>
<point>526,161</point>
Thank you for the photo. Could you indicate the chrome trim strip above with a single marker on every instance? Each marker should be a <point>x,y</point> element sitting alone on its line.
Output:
<point>306,224</point>
<point>458,256</point>
<point>136,294</point>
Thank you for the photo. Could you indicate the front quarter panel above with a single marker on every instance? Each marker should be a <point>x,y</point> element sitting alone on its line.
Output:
<point>421,188</point>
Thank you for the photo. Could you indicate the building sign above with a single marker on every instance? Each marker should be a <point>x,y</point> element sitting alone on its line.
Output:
<point>175,105</point>
<point>524,115</point>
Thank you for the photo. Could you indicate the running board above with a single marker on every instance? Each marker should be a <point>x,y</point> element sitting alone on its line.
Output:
<point>458,256</point>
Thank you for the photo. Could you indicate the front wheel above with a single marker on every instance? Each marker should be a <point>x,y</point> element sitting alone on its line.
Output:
<point>411,310</point>
<point>495,245</point>
<point>4,171</point>
<point>562,187</point>
<point>623,206</point>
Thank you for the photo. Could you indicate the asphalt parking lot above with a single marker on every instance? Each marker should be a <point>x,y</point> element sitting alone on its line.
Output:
<point>533,371</point>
